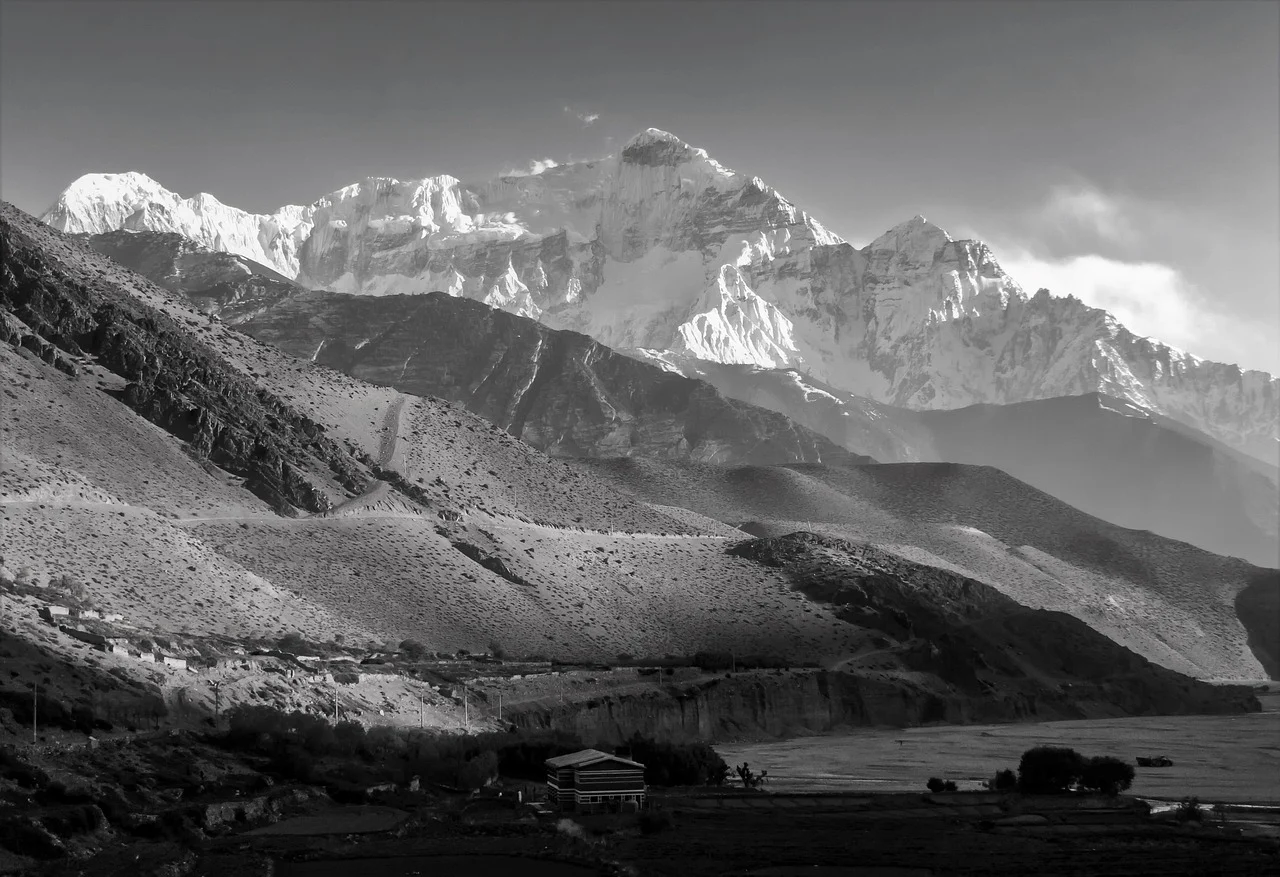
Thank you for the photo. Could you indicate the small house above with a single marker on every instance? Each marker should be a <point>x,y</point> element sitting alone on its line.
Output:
<point>147,657</point>
<point>58,610</point>
<point>594,781</point>
<point>175,663</point>
<point>89,613</point>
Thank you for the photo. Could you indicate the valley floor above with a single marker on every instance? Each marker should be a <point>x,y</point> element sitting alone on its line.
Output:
<point>1215,758</point>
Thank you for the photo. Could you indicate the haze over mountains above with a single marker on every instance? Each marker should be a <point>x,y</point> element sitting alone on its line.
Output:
<point>662,248</point>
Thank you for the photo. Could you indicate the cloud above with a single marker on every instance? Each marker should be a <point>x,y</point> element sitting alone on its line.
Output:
<point>1135,258</point>
<point>587,119</point>
<point>536,166</point>
<point>1149,299</point>
<point>1081,208</point>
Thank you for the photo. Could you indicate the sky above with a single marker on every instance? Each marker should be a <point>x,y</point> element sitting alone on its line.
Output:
<point>1127,153</point>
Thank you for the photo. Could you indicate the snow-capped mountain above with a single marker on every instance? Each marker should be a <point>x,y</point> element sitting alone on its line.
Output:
<point>662,248</point>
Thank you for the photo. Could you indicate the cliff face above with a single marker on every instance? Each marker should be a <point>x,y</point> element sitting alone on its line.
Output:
<point>760,705</point>
<point>62,311</point>
<point>559,391</point>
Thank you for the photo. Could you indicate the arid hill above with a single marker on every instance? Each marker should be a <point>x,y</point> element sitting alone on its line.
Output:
<point>201,484</point>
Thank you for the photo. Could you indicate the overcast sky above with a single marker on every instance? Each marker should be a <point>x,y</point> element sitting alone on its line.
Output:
<point>1128,153</point>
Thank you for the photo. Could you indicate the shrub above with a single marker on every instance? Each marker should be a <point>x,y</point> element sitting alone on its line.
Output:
<point>478,772</point>
<point>1189,810</point>
<point>949,786</point>
<point>935,785</point>
<point>1108,774</point>
<point>1049,769</point>
<point>677,764</point>
<point>1003,781</point>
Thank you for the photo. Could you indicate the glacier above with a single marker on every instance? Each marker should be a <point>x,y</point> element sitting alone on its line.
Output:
<point>664,250</point>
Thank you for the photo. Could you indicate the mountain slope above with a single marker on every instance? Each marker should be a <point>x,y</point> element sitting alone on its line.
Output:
<point>1106,457</point>
<point>489,540</point>
<point>662,247</point>
<point>107,482</point>
<point>230,286</point>
<point>938,622</point>
<point>1174,604</point>
<point>559,391</point>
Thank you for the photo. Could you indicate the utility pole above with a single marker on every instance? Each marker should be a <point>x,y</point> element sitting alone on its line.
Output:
<point>420,725</point>
<point>499,706</point>
<point>35,705</point>
<point>335,703</point>
<point>466,709</point>
<point>217,702</point>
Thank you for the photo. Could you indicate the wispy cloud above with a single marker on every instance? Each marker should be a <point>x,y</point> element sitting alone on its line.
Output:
<point>1083,209</point>
<point>1108,249</point>
<point>587,119</point>
<point>536,166</point>
<point>1149,298</point>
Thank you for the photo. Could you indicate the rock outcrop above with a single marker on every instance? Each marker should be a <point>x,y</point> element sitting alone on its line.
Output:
<point>172,379</point>
<point>220,284</point>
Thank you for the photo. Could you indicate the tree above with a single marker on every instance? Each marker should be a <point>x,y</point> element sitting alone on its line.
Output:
<point>1049,769</point>
<point>478,772</point>
<point>751,779</point>
<point>1003,781</point>
<point>936,785</point>
<point>1108,774</point>
<point>496,649</point>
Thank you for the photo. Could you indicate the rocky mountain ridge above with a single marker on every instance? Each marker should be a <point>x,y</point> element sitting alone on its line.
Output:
<point>662,247</point>
<point>559,391</point>
<point>205,483</point>
<point>568,395</point>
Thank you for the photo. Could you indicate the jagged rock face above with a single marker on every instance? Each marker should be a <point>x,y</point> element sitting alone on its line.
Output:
<point>662,247</point>
<point>222,284</point>
<point>173,380</point>
<point>559,391</point>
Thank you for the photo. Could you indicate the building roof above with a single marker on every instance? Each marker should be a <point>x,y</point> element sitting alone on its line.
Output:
<point>588,756</point>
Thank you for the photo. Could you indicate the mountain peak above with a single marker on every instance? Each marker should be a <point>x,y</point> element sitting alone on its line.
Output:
<point>654,135</point>
<point>916,235</point>
<point>111,185</point>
